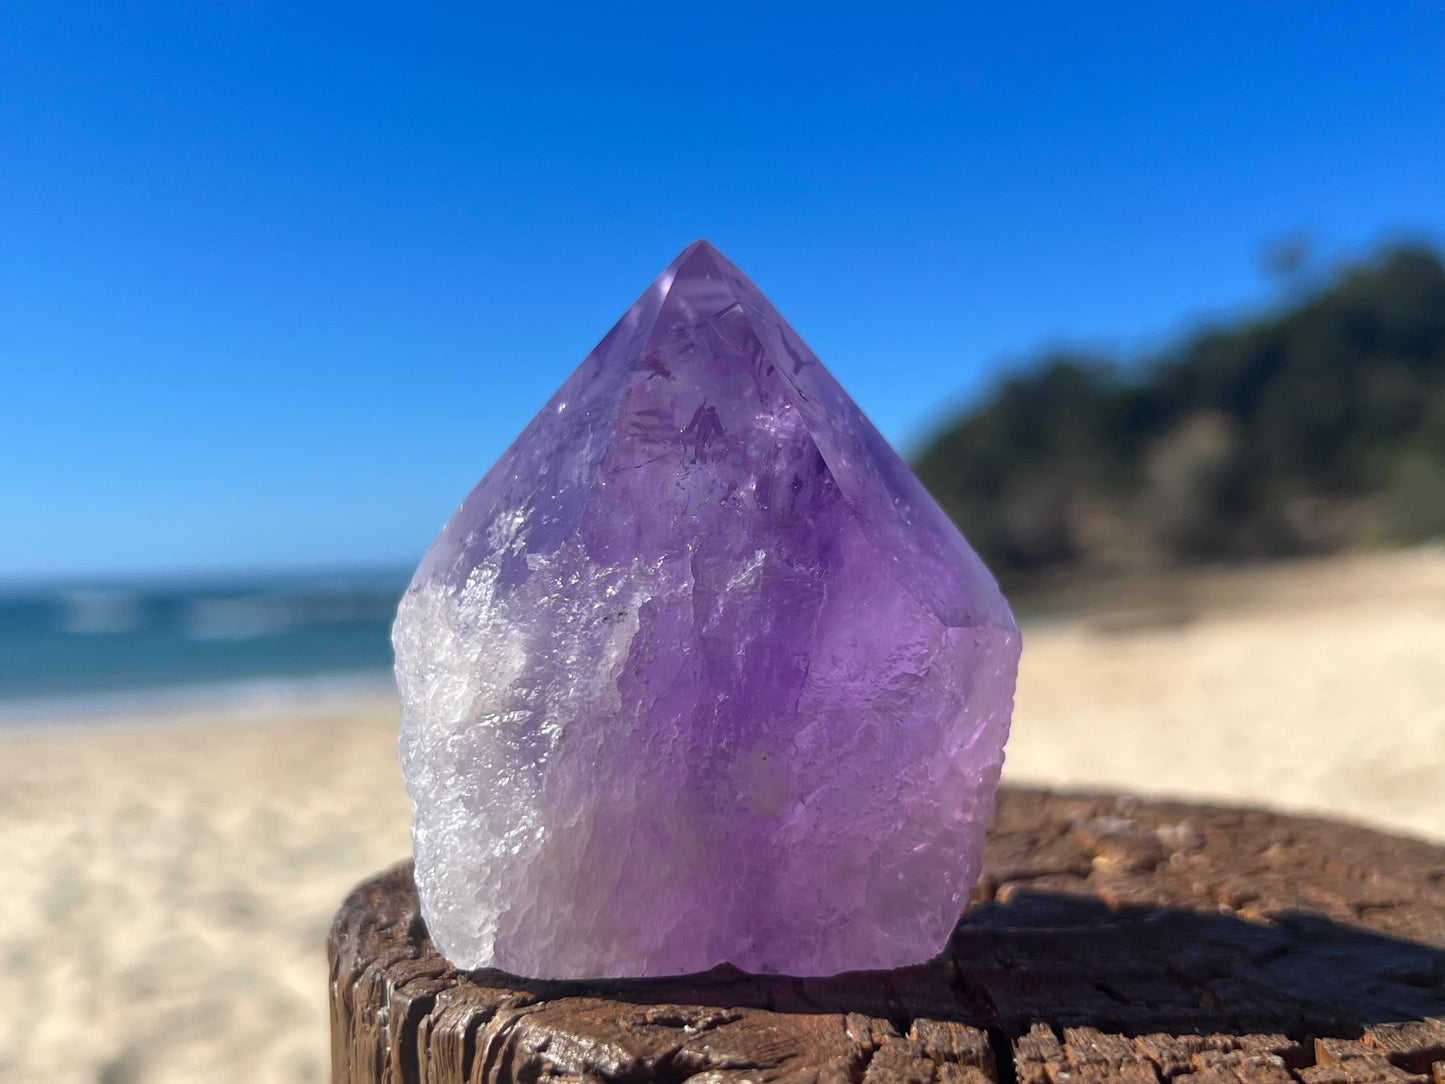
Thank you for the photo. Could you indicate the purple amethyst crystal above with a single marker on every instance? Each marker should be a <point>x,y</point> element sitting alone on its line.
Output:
<point>699,672</point>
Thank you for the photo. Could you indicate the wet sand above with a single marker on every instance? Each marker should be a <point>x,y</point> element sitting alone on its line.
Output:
<point>168,883</point>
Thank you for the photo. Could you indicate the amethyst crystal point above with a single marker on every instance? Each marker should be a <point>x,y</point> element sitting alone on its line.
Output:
<point>699,672</point>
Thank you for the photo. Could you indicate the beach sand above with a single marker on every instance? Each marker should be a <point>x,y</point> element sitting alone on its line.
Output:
<point>168,882</point>
<point>1314,686</point>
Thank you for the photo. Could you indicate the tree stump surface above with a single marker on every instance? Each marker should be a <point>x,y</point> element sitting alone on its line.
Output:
<point>1110,940</point>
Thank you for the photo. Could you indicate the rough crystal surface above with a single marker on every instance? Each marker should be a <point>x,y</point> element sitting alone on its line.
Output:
<point>699,673</point>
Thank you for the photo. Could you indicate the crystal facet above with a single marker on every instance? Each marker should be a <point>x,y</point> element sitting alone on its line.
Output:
<point>699,673</point>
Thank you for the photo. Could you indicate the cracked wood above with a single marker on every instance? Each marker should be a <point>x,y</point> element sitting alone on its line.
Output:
<point>1110,940</point>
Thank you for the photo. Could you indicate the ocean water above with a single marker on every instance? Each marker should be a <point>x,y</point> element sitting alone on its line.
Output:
<point>124,642</point>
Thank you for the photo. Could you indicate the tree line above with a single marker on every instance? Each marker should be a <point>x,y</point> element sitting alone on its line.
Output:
<point>1315,429</point>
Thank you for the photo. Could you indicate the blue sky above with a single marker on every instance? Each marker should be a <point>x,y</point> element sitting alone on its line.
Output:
<point>278,282</point>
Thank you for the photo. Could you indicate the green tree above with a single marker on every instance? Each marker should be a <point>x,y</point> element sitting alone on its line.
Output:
<point>1317,427</point>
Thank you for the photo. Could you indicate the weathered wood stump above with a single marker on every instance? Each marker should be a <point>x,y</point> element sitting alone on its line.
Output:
<point>1110,939</point>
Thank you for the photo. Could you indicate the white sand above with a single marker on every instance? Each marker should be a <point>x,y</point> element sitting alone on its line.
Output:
<point>167,887</point>
<point>1316,687</point>
<point>167,891</point>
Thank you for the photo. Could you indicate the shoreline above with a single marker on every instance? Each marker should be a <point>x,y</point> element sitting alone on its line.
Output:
<point>242,700</point>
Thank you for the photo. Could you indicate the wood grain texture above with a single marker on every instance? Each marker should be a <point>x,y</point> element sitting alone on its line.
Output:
<point>1110,940</point>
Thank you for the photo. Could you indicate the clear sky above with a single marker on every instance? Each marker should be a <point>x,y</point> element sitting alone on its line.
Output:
<point>278,282</point>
